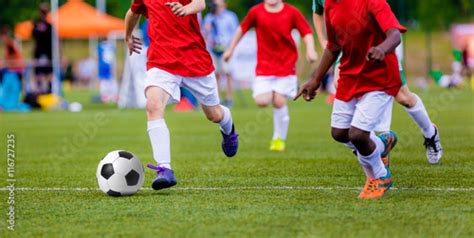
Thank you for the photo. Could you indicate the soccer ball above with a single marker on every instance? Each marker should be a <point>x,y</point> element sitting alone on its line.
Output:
<point>120,173</point>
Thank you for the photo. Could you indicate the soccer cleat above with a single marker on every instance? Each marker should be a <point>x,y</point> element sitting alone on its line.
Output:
<point>376,188</point>
<point>434,150</point>
<point>164,178</point>
<point>390,140</point>
<point>230,143</point>
<point>277,145</point>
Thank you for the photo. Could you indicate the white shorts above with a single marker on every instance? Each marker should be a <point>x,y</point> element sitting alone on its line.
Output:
<point>220,65</point>
<point>286,86</point>
<point>385,120</point>
<point>203,88</point>
<point>365,113</point>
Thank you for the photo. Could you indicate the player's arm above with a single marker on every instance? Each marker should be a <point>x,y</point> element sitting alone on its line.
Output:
<point>392,40</point>
<point>330,54</point>
<point>318,21</point>
<point>235,41</point>
<point>388,23</point>
<point>134,44</point>
<point>248,23</point>
<point>308,89</point>
<point>180,10</point>
<point>311,54</point>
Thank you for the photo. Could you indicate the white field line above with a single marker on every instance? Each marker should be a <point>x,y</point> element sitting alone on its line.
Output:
<point>248,188</point>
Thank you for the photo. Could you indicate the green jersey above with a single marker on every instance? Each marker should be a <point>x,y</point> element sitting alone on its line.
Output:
<point>318,7</point>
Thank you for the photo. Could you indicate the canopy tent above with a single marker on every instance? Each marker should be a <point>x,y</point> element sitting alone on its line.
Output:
<point>77,20</point>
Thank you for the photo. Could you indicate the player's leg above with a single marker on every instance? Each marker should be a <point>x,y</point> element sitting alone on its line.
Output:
<point>281,122</point>
<point>229,101</point>
<point>159,87</point>
<point>370,148</point>
<point>283,88</point>
<point>205,90</point>
<point>341,118</point>
<point>417,111</point>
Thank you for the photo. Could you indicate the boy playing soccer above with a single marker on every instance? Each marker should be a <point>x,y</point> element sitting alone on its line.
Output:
<point>276,59</point>
<point>410,101</point>
<point>367,33</point>
<point>177,56</point>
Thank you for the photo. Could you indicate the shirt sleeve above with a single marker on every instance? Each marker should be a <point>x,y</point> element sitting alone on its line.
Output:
<point>301,24</point>
<point>384,16</point>
<point>318,7</point>
<point>250,21</point>
<point>331,34</point>
<point>207,19</point>
<point>138,7</point>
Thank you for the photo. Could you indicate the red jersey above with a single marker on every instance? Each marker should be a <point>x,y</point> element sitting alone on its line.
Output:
<point>176,43</point>
<point>276,50</point>
<point>354,26</point>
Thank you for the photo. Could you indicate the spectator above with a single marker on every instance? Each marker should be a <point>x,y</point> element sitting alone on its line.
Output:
<point>42,37</point>
<point>219,29</point>
<point>13,60</point>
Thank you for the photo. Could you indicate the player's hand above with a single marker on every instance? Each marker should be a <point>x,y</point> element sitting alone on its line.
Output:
<point>308,90</point>
<point>134,45</point>
<point>375,54</point>
<point>227,55</point>
<point>177,8</point>
<point>311,56</point>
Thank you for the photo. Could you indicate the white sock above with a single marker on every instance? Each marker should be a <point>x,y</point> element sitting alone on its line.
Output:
<point>160,142</point>
<point>379,145</point>
<point>226,122</point>
<point>419,114</point>
<point>281,121</point>
<point>372,164</point>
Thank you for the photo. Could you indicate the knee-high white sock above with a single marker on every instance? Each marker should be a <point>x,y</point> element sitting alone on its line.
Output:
<point>372,164</point>
<point>281,121</point>
<point>226,122</point>
<point>419,114</point>
<point>160,142</point>
<point>379,145</point>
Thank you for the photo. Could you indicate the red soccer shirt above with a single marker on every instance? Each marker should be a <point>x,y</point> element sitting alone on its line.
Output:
<point>276,50</point>
<point>354,26</point>
<point>176,43</point>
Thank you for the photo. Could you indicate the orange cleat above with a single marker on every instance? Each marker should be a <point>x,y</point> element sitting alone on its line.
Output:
<point>375,188</point>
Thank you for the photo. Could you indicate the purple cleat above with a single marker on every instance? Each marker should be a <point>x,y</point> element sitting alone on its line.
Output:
<point>230,143</point>
<point>164,178</point>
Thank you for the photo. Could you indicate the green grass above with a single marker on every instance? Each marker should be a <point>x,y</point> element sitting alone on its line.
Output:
<point>62,149</point>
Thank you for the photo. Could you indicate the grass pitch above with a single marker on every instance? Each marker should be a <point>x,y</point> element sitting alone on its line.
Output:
<point>308,191</point>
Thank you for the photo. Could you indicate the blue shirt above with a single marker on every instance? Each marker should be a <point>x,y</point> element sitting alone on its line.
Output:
<point>223,27</point>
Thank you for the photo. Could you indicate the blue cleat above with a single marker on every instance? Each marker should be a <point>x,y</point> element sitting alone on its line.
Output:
<point>230,143</point>
<point>390,140</point>
<point>164,178</point>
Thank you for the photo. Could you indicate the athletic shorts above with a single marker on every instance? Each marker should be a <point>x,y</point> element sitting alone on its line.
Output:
<point>204,88</point>
<point>286,86</point>
<point>220,65</point>
<point>365,112</point>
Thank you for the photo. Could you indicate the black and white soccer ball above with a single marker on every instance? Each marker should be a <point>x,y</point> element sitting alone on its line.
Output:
<point>120,173</point>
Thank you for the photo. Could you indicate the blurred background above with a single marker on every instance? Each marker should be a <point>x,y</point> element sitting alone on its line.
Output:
<point>87,64</point>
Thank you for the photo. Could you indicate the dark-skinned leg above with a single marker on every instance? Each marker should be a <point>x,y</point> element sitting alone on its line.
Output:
<point>368,153</point>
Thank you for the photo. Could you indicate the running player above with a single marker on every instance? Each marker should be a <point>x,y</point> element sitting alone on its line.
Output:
<point>177,56</point>
<point>276,59</point>
<point>367,33</point>
<point>409,100</point>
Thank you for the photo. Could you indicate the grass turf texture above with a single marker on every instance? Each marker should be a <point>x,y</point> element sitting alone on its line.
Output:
<point>62,149</point>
